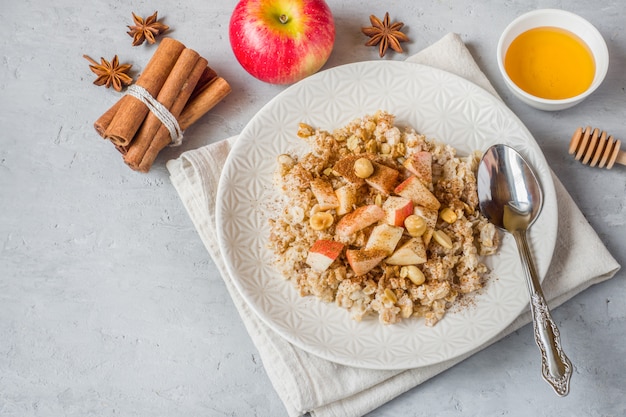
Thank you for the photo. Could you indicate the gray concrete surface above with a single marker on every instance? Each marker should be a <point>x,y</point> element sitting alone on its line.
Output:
<point>109,304</point>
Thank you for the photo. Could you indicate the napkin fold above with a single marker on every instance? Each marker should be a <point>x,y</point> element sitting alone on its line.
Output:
<point>308,384</point>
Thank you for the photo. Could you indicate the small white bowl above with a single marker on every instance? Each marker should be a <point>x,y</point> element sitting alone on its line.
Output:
<point>564,20</point>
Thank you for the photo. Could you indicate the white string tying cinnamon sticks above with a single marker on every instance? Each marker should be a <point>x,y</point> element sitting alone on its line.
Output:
<point>160,111</point>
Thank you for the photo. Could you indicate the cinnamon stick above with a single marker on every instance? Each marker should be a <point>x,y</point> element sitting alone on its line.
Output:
<point>207,99</point>
<point>131,111</point>
<point>203,102</point>
<point>104,121</point>
<point>208,76</point>
<point>162,137</point>
<point>181,81</point>
<point>170,90</point>
<point>202,99</point>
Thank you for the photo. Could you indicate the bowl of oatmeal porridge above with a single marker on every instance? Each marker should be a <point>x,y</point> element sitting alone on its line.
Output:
<point>359,314</point>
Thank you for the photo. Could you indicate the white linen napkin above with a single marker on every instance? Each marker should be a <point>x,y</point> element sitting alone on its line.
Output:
<point>307,383</point>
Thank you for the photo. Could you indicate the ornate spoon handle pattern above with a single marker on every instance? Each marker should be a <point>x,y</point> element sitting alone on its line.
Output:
<point>556,367</point>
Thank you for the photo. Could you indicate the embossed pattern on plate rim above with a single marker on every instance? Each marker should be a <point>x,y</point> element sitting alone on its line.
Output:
<point>442,106</point>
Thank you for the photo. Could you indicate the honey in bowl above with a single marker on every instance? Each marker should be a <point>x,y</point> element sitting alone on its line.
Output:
<point>550,63</point>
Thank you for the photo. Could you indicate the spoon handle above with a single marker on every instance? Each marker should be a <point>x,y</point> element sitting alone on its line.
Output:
<point>556,367</point>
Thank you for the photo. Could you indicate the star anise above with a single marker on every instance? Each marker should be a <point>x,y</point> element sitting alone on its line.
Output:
<point>146,30</point>
<point>384,34</point>
<point>110,73</point>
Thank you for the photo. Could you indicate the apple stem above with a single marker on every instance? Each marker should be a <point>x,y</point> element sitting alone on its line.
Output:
<point>283,18</point>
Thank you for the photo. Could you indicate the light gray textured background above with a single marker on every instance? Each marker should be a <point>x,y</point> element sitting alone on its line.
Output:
<point>109,304</point>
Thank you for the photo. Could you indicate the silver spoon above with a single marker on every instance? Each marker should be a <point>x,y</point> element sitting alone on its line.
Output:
<point>510,197</point>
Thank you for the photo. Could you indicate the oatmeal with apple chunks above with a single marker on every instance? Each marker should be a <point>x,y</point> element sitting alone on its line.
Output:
<point>381,221</point>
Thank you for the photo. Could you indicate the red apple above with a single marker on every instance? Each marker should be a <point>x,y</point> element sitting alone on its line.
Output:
<point>347,198</point>
<point>397,209</point>
<point>384,237</point>
<point>282,41</point>
<point>323,253</point>
<point>364,260</point>
<point>358,219</point>
<point>420,164</point>
<point>412,252</point>
<point>325,194</point>
<point>383,179</point>
<point>415,190</point>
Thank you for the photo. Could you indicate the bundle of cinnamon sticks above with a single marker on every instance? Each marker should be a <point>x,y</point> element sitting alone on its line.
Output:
<point>178,78</point>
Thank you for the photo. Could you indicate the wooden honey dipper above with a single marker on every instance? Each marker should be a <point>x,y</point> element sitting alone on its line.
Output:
<point>596,149</point>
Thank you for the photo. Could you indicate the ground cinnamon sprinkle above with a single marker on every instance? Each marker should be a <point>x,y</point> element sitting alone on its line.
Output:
<point>341,236</point>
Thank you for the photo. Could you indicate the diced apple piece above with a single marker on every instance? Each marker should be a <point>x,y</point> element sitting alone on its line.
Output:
<point>345,168</point>
<point>323,253</point>
<point>347,197</point>
<point>413,252</point>
<point>413,189</point>
<point>397,209</point>
<point>428,214</point>
<point>359,219</point>
<point>324,193</point>
<point>384,237</point>
<point>420,164</point>
<point>364,260</point>
<point>384,179</point>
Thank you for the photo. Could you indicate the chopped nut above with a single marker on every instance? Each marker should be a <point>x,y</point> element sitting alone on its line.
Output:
<point>363,168</point>
<point>353,142</point>
<point>448,215</point>
<point>371,146</point>
<point>469,210</point>
<point>442,238</point>
<point>304,130</point>
<point>360,134</point>
<point>399,149</point>
<point>321,220</point>
<point>415,225</point>
<point>390,296</point>
<point>285,160</point>
<point>339,137</point>
<point>413,273</point>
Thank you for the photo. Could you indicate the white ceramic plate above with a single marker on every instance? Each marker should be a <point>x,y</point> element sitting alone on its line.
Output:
<point>436,103</point>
